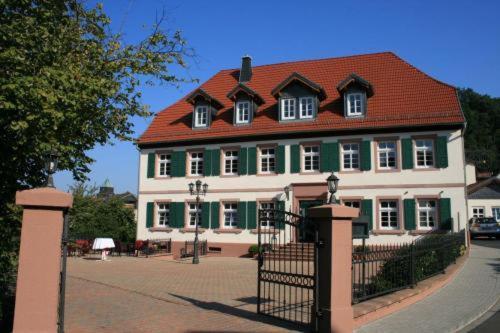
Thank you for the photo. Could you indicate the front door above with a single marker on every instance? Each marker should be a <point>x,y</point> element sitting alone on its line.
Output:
<point>306,229</point>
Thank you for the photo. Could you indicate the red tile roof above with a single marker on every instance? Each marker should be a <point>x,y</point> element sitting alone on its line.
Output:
<point>404,96</point>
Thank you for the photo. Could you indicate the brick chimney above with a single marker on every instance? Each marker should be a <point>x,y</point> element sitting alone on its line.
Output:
<point>246,69</point>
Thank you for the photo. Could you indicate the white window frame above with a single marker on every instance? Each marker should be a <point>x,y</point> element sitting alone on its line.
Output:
<point>427,212</point>
<point>230,214</point>
<point>356,109</point>
<point>191,223</point>
<point>426,150</point>
<point>196,163</point>
<point>312,156</point>
<point>242,112</point>
<point>164,164</point>
<point>476,213</point>
<point>383,154</point>
<point>232,161</point>
<point>201,116</point>
<point>495,212</point>
<point>350,153</point>
<point>163,214</point>
<point>267,159</point>
<point>288,106</point>
<point>391,212</point>
<point>268,222</point>
<point>307,108</point>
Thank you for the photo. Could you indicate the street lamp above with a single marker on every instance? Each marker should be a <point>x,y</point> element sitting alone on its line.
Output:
<point>51,161</point>
<point>197,189</point>
<point>333,185</point>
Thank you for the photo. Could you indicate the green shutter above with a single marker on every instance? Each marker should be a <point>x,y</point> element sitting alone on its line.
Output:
<point>407,155</point>
<point>325,157</point>
<point>294,158</point>
<point>150,210</point>
<point>242,161</point>
<point>252,160</point>
<point>207,162</point>
<point>177,214</point>
<point>335,156</point>
<point>215,207</point>
<point>252,215</point>
<point>205,215</point>
<point>409,214</point>
<point>179,163</point>
<point>280,159</point>
<point>151,165</point>
<point>366,209</point>
<point>442,152</point>
<point>366,156</point>
<point>216,162</point>
<point>242,215</point>
<point>445,220</point>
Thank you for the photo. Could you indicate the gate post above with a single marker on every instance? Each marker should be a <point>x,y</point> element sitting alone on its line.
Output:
<point>37,291</point>
<point>334,311</point>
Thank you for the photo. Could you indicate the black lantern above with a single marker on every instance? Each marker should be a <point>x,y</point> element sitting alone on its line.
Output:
<point>205,188</point>
<point>287,192</point>
<point>191,188</point>
<point>51,161</point>
<point>198,185</point>
<point>333,183</point>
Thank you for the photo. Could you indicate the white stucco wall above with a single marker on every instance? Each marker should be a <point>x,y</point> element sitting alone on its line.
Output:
<point>470,173</point>
<point>487,204</point>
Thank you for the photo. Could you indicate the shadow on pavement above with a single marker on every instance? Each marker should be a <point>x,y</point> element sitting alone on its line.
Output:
<point>487,242</point>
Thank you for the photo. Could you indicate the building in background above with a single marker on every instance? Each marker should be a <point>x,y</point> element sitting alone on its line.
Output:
<point>484,198</point>
<point>107,190</point>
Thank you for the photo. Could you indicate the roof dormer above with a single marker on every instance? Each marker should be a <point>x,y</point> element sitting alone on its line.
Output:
<point>298,98</point>
<point>205,108</point>
<point>246,101</point>
<point>355,91</point>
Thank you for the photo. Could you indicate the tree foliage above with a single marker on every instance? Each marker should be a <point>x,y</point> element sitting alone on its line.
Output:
<point>482,136</point>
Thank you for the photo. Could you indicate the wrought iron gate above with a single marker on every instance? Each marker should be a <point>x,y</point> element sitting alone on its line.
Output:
<point>287,274</point>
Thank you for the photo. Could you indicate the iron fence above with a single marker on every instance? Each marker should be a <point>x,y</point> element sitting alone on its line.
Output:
<point>153,247</point>
<point>382,269</point>
<point>188,249</point>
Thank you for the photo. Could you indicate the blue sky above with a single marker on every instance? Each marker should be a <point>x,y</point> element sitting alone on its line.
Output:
<point>457,42</point>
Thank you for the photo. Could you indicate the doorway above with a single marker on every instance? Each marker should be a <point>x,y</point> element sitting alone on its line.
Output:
<point>306,229</point>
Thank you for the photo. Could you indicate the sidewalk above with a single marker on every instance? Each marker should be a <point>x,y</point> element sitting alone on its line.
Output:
<point>473,291</point>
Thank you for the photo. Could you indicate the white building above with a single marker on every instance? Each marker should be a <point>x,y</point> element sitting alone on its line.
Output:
<point>392,134</point>
<point>484,198</point>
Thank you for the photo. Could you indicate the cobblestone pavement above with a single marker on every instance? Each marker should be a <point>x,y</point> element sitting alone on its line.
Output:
<point>153,295</point>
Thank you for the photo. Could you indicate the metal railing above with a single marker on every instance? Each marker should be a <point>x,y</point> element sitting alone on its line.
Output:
<point>381,269</point>
<point>188,249</point>
<point>153,247</point>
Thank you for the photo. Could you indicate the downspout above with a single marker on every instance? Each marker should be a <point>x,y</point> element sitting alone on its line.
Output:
<point>463,130</point>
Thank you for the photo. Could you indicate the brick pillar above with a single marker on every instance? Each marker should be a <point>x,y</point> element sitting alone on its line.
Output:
<point>334,266</point>
<point>37,292</point>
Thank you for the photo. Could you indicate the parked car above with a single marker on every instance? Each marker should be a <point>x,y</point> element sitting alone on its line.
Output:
<point>484,226</point>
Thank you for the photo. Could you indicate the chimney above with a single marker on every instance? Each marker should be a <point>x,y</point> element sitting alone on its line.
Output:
<point>246,69</point>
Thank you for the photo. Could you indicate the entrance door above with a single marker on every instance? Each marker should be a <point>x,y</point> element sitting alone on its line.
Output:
<point>306,229</point>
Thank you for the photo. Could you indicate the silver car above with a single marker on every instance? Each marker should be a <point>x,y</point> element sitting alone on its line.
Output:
<point>484,226</point>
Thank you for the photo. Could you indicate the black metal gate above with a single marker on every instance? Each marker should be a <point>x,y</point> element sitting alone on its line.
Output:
<point>287,274</point>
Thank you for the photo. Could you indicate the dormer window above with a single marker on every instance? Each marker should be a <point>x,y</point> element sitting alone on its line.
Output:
<point>287,108</point>
<point>354,104</point>
<point>306,107</point>
<point>243,112</point>
<point>201,116</point>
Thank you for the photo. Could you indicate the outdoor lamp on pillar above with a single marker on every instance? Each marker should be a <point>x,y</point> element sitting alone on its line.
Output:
<point>333,183</point>
<point>197,189</point>
<point>51,161</point>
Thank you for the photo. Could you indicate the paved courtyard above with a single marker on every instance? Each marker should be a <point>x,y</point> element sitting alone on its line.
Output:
<point>153,295</point>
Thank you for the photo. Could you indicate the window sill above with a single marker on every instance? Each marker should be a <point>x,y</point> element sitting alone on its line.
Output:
<point>387,170</point>
<point>351,171</point>
<point>160,229</point>
<point>305,173</point>
<point>265,231</point>
<point>162,177</point>
<point>188,230</point>
<point>195,176</point>
<point>425,169</point>
<point>425,232</point>
<point>388,232</point>
<point>228,231</point>
<point>229,176</point>
<point>267,174</point>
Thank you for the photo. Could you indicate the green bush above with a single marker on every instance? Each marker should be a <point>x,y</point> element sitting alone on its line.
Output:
<point>253,249</point>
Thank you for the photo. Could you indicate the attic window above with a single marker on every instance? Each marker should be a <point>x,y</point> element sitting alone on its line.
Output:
<point>243,112</point>
<point>288,108</point>
<point>354,104</point>
<point>201,116</point>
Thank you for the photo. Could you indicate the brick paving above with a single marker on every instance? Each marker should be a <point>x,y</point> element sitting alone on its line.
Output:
<point>153,295</point>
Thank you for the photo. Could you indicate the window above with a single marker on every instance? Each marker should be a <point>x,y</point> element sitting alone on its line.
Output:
<point>427,214</point>
<point>306,107</point>
<point>231,162</point>
<point>201,116</point>
<point>354,105</point>
<point>230,215</point>
<point>242,112</point>
<point>350,156</point>
<point>163,212</point>
<point>268,221</point>
<point>387,155</point>
<point>165,162</point>
<point>267,160</point>
<point>311,158</point>
<point>194,212</point>
<point>389,214</point>
<point>424,150</point>
<point>196,163</point>
<point>288,108</point>
<point>352,203</point>
<point>477,211</point>
<point>495,211</point>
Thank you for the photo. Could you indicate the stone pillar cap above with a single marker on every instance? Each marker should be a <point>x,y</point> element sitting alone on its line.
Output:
<point>334,211</point>
<point>44,197</point>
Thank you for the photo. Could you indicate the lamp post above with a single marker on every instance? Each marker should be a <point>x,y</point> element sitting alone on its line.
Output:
<point>333,184</point>
<point>197,189</point>
<point>51,161</point>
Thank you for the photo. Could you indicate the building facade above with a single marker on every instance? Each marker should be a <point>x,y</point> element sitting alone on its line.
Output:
<point>269,136</point>
<point>484,198</point>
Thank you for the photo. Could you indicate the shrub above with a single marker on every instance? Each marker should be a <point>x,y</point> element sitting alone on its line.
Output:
<point>253,249</point>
